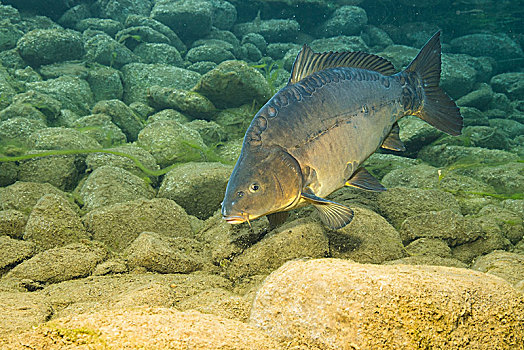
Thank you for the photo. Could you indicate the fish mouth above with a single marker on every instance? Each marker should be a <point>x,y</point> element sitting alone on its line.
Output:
<point>236,219</point>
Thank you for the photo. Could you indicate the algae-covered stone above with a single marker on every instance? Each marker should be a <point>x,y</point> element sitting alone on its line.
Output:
<point>346,20</point>
<point>158,53</point>
<point>212,133</point>
<point>138,77</point>
<point>21,312</point>
<point>159,253</point>
<point>234,83</point>
<point>512,128</point>
<point>429,259</point>
<point>380,164</point>
<point>54,222</point>
<point>106,25</point>
<point>14,251</point>
<point>18,129</point>
<point>416,133</point>
<point>43,46</point>
<point>44,103</point>
<point>443,155</point>
<point>168,114</point>
<point>499,46</point>
<point>197,187</point>
<point>123,116</point>
<point>12,223</point>
<point>120,10</point>
<point>101,128</point>
<point>105,83</point>
<point>61,171</point>
<point>458,77</point>
<point>235,121</point>
<point>369,306</point>
<point>397,204</point>
<point>103,49</point>
<point>510,84</point>
<point>118,225</point>
<point>338,43</point>
<point>511,223</point>
<point>427,247</point>
<point>60,264</point>
<point>491,239</point>
<point>188,102</point>
<point>209,53</point>
<point>174,40</point>
<point>479,98</point>
<point>23,196</point>
<point>61,139</point>
<point>273,30</point>
<point>505,178</point>
<point>297,239</point>
<point>169,142</point>
<point>446,225</point>
<point>133,35</point>
<point>109,185</point>
<point>8,173</point>
<point>22,110</point>
<point>72,92</point>
<point>506,265</point>
<point>369,238</point>
<point>229,151</point>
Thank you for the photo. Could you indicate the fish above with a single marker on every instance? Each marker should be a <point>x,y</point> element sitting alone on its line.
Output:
<point>311,138</point>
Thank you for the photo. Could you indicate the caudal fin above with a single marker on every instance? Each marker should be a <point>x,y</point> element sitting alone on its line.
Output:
<point>439,109</point>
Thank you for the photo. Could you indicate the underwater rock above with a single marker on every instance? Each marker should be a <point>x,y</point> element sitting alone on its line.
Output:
<point>511,223</point>
<point>250,53</point>
<point>479,98</point>
<point>111,266</point>
<point>257,40</point>
<point>416,133</point>
<point>23,196</point>
<point>188,102</point>
<point>118,225</point>
<point>97,160</point>
<point>25,111</point>
<point>54,222</point>
<point>44,46</point>
<point>376,38</point>
<point>72,92</point>
<point>16,130</point>
<point>46,104</point>
<point>417,176</point>
<point>119,10</point>
<point>346,20</point>
<point>158,53</point>
<point>232,84</point>
<point>432,260</point>
<point>60,139</point>
<point>105,83</point>
<point>171,142</point>
<point>458,77</point>
<point>9,34</point>
<point>212,133</point>
<point>12,223</point>
<point>428,247</point>
<point>60,264</point>
<point>21,311</point>
<point>209,53</point>
<point>174,40</point>
<point>103,49</point>
<point>160,327</point>
<point>492,239</point>
<point>444,155</point>
<point>168,114</point>
<point>511,84</point>
<point>380,164</point>
<point>235,121</point>
<point>499,46</point>
<point>188,19</point>
<point>109,185</point>
<point>139,77</point>
<point>61,171</point>
<point>229,151</point>
<point>399,203</point>
<point>399,55</point>
<point>132,36</point>
<point>202,67</point>
<point>372,305</point>
<point>273,30</point>
<point>14,251</point>
<point>446,225</point>
<point>339,43</point>
<point>505,176</point>
<point>483,136</point>
<point>369,238</point>
<point>123,116</point>
<point>8,172</point>
<point>297,239</point>
<point>159,253</point>
<point>510,127</point>
<point>506,265</point>
<point>101,128</point>
<point>6,86</point>
<point>73,15</point>
<point>197,187</point>
<point>106,25</point>
<point>142,110</point>
<point>56,70</point>
<point>224,14</point>
<point>277,51</point>
<point>473,116</point>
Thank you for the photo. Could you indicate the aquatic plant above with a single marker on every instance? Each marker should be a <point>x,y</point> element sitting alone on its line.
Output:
<point>270,70</point>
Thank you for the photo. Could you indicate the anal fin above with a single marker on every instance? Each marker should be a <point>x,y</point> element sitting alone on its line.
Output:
<point>334,215</point>
<point>393,141</point>
<point>364,180</point>
<point>277,219</point>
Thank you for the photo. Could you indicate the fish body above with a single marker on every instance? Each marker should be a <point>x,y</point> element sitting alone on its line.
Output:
<point>312,136</point>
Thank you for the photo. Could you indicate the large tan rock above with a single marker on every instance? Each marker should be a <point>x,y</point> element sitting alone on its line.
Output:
<point>336,304</point>
<point>145,328</point>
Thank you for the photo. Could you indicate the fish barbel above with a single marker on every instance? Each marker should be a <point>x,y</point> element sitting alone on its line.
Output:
<point>312,136</point>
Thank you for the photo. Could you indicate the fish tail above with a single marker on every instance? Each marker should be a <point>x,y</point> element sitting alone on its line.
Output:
<point>438,108</point>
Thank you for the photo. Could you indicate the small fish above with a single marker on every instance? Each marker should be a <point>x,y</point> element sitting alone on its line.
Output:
<point>312,136</point>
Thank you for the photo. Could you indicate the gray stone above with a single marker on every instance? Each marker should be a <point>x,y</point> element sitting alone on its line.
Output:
<point>56,70</point>
<point>251,53</point>
<point>54,222</point>
<point>197,187</point>
<point>158,53</point>
<point>232,84</point>
<point>119,10</point>
<point>101,128</point>
<point>369,238</point>
<point>109,185</point>
<point>23,196</point>
<point>188,102</point>
<point>139,77</point>
<point>511,84</point>
<point>60,264</point>
<point>43,46</point>
<point>277,51</point>
<point>259,42</point>
<point>376,38</point>
<point>118,225</point>
<point>224,14</point>
<point>499,46</point>
<point>106,25</point>
<point>13,252</point>
<point>202,67</point>
<point>399,55</point>
<point>61,139</point>
<point>174,40</point>
<point>74,15</point>
<point>162,254</point>
<point>170,142</point>
<point>103,49</point>
<point>443,155</point>
<point>346,20</point>
<point>273,30</point>
<point>479,98</point>
<point>458,77</point>
<point>189,19</point>
<point>12,223</point>
<point>122,116</point>
<point>209,53</point>
<point>105,83</point>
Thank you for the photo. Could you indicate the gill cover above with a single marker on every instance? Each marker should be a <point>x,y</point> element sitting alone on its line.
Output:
<point>263,181</point>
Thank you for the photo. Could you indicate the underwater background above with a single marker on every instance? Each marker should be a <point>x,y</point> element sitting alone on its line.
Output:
<point>120,123</point>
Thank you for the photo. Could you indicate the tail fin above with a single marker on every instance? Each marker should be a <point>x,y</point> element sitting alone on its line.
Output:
<point>439,109</point>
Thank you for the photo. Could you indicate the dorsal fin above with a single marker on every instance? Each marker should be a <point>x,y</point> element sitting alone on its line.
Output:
<point>309,62</point>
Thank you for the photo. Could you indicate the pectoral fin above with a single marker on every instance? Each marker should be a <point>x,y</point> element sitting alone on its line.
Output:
<point>364,180</point>
<point>277,219</point>
<point>393,141</point>
<point>332,214</point>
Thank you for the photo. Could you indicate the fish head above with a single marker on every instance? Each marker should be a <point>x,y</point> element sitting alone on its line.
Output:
<point>262,182</point>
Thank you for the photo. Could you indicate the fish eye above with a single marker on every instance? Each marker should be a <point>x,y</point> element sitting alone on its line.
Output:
<point>240,193</point>
<point>254,187</point>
